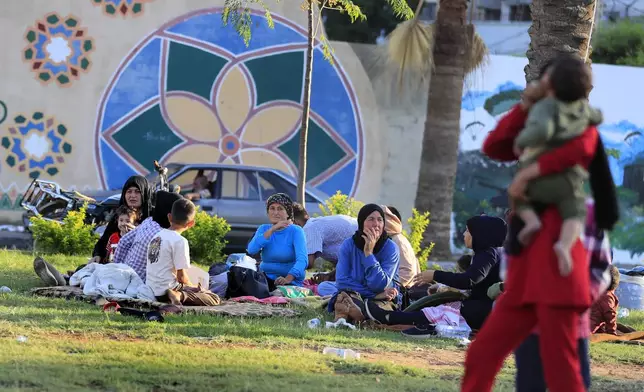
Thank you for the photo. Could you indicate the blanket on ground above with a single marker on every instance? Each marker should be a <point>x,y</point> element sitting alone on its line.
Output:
<point>604,337</point>
<point>111,280</point>
<point>226,308</point>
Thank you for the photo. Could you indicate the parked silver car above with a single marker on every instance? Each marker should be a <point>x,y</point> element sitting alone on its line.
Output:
<point>239,194</point>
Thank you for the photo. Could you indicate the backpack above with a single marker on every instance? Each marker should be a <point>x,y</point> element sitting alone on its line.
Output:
<point>246,282</point>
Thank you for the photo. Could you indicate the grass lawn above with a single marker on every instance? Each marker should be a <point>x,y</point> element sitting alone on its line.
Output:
<point>75,346</point>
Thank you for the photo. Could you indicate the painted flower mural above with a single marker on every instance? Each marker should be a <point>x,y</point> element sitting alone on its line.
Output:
<point>192,92</point>
<point>58,49</point>
<point>121,7</point>
<point>36,145</point>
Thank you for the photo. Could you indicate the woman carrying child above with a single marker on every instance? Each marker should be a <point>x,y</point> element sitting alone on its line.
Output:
<point>539,290</point>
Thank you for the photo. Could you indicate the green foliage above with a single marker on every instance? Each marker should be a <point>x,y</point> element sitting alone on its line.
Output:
<point>629,231</point>
<point>466,206</point>
<point>206,238</point>
<point>417,226</point>
<point>340,204</point>
<point>72,237</point>
<point>379,16</point>
<point>238,13</point>
<point>619,44</point>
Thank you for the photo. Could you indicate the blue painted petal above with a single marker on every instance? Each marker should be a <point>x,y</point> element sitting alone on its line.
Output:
<point>77,51</point>
<point>56,69</point>
<point>144,73</point>
<point>330,100</point>
<point>40,47</point>
<point>17,149</point>
<point>47,160</point>
<point>55,141</point>
<point>341,181</point>
<point>61,29</point>
<point>116,171</point>
<point>210,28</point>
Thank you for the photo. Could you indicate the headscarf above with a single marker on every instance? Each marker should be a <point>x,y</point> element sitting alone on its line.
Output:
<point>365,211</point>
<point>140,183</point>
<point>487,232</point>
<point>393,225</point>
<point>163,207</point>
<point>282,199</point>
<point>603,189</point>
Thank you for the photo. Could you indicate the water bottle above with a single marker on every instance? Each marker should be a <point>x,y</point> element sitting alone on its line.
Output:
<point>623,312</point>
<point>341,352</point>
<point>314,323</point>
<point>448,331</point>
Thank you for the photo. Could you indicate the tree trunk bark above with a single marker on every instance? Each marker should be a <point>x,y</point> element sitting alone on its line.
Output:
<point>442,126</point>
<point>306,106</point>
<point>558,26</point>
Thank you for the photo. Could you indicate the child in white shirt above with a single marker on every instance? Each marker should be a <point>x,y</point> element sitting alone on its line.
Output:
<point>169,259</point>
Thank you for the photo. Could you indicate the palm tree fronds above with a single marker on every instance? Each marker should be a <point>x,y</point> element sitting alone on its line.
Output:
<point>410,47</point>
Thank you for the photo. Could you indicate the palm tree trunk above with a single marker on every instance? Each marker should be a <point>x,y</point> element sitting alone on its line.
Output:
<point>442,126</point>
<point>558,26</point>
<point>306,104</point>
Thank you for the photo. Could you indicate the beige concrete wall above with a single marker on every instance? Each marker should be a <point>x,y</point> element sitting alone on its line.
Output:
<point>113,38</point>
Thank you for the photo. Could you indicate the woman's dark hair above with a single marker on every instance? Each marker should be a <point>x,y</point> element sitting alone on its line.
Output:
<point>570,78</point>
<point>603,189</point>
<point>125,210</point>
<point>395,211</point>
<point>299,212</point>
<point>614,278</point>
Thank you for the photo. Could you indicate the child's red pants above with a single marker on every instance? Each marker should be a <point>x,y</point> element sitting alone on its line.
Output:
<point>507,326</point>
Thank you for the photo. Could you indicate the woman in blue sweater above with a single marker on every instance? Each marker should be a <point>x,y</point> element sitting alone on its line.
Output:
<point>281,244</point>
<point>367,267</point>
<point>485,236</point>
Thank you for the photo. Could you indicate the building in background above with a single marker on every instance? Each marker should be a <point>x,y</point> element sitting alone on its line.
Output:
<point>504,24</point>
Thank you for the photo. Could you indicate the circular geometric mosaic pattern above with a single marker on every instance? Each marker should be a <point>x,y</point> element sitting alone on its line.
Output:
<point>124,8</point>
<point>58,49</point>
<point>192,92</point>
<point>36,145</point>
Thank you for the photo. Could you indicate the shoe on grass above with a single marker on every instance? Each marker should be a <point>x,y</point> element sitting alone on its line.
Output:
<point>420,332</point>
<point>376,313</point>
<point>47,273</point>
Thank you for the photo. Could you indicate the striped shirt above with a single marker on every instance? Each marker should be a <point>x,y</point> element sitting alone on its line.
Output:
<point>133,247</point>
<point>326,234</point>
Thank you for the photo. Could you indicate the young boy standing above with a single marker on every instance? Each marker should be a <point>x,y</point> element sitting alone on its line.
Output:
<point>169,259</point>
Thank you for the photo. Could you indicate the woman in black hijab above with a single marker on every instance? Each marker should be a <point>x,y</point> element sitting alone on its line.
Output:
<point>136,195</point>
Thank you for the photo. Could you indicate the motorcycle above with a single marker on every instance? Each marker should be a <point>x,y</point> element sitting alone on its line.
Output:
<point>49,201</point>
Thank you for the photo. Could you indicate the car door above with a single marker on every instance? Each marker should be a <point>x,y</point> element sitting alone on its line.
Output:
<point>239,203</point>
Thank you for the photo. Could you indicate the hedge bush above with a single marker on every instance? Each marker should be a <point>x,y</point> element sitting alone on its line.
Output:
<point>71,237</point>
<point>206,238</point>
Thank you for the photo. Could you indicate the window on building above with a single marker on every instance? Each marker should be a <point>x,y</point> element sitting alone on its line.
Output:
<point>520,13</point>
<point>491,14</point>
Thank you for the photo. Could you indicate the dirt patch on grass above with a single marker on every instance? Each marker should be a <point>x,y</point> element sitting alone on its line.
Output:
<point>620,371</point>
<point>422,358</point>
